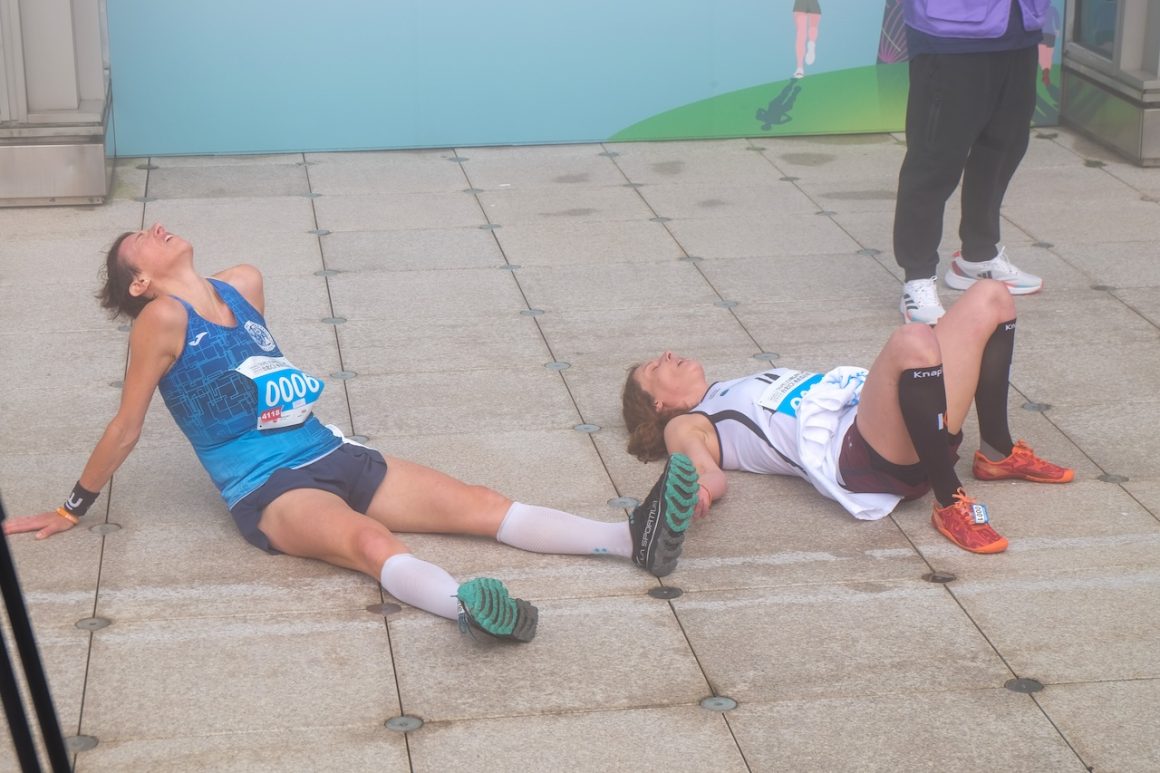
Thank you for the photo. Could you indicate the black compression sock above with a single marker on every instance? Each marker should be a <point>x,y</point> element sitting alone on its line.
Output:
<point>991,392</point>
<point>923,400</point>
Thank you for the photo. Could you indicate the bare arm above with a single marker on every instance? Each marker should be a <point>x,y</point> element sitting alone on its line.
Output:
<point>693,436</point>
<point>154,345</point>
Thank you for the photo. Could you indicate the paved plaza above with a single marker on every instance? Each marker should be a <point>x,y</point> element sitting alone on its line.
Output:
<point>475,309</point>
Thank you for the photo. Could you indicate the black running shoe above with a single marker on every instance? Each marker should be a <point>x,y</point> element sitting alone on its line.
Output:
<point>485,605</point>
<point>658,523</point>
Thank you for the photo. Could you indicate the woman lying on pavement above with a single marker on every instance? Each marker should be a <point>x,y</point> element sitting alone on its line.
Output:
<point>296,486</point>
<point>867,439</point>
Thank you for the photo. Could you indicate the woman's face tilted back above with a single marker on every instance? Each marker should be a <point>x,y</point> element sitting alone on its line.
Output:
<point>134,260</point>
<point>154,249</point>
<point>672,381</point>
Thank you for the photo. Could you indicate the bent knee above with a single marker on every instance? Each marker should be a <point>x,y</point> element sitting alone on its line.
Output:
<point>993,296</point>
<point>914,345</point>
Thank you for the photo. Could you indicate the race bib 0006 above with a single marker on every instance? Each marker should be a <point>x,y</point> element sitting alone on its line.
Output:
<point>785,394</point>
<point>286,395</point>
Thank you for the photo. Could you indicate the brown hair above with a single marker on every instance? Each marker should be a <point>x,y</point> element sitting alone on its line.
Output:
<point>646,425</point>
<point>117,275</point>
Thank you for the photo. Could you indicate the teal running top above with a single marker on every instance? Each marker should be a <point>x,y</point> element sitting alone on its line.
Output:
<point>245,408</point>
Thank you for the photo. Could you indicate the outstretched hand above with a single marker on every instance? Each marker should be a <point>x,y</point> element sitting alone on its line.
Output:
<point>44,524</point>
<point>704,502</point>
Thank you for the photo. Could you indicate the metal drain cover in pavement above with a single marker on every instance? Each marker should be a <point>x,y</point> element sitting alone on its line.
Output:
<point>104,528</point>
<point>718,703</point>
<point>91,623</point>
<point>384,609</point>
<point>665,592</point>
<point>1023,685</point>
<point>623,502</point>
<point>404,724</point>
<point>589,428</point>
<point>939,577</point>
<point>80,743</point>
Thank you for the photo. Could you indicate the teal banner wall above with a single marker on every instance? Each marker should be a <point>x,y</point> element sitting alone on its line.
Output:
<point>258,76</point>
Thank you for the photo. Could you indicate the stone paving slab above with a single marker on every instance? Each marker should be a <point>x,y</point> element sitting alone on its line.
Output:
<point>913,731</point>
<point>1110,724</point>
<point>565,167</point>
<point>646,740</point>
<point>412,249</point>
<point>580,652</point>
<point>371,172</point>
<point>510,206</point>
<point>360,747</point>
<point>197,182</point>
<point>831,639</point>
<point>397,211</point>
<point>256,673</point>
<point>573,243</point>
<point>1085,626</point>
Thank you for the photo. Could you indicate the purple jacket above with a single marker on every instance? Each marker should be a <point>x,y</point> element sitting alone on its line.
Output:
<point>971,18</point>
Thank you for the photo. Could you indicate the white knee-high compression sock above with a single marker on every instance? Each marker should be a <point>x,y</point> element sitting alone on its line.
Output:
<point>544,530</point>
<point>421,584</point>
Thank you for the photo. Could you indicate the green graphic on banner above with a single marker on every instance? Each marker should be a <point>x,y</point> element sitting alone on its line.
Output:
<point>858,100</point>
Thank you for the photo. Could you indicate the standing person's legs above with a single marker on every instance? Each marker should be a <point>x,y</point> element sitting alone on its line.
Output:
<point>815,21</point>
<point>996,153</point>
<point>942,121</point>
<point>799,47</point>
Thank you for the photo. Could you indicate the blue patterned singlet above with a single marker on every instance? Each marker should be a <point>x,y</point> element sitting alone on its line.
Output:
<point>243,406</point>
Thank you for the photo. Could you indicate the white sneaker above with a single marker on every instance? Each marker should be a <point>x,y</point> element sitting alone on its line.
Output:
<point>811,51</point>
<point>799,73</point>
<point>920,301</point>
<point>962,274</point>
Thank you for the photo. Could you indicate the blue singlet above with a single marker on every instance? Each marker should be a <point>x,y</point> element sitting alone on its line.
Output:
<point>243,406</point>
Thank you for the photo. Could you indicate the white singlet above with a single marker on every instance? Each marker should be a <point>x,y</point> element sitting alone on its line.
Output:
<point>785,422</point>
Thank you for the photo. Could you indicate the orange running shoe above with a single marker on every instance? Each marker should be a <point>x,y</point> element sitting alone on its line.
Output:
<point>1022,464</point>
<point>967,524</point>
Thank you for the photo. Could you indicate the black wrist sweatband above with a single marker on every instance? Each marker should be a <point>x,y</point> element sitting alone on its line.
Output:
<point>80,500</point>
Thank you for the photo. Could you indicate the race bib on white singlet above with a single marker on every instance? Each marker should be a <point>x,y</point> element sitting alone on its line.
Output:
<point>785,394</point>
<point>286,395</point>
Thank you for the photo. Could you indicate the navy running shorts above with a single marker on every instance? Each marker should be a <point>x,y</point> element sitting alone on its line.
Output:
<point>865,471</point>
<point>351,471</point>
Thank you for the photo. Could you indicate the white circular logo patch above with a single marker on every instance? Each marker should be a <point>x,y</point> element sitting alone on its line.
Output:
<point>261,336</point>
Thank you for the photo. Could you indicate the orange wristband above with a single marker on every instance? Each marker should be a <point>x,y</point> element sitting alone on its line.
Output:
<point>65,514</point>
